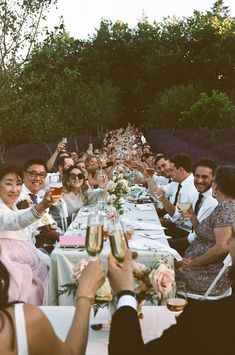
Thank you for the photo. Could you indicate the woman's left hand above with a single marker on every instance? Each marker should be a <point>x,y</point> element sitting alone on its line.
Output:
<point>187,263</point>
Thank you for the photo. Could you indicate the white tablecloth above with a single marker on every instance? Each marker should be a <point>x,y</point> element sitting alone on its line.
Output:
<point>63,260</point>
<point>156,319</point>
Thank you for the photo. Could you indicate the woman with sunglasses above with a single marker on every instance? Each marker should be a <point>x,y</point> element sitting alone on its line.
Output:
<point>77,191</point>
<point>26,264</point>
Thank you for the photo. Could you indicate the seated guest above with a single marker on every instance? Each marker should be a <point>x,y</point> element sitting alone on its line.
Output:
<point>26,264</point>
<point>76,192</point>
<point>204,257</point>
<point>162,166</point>
<point>202,203</point>
<point>204,327</point>
<point>26,330</point>
<point>44,232</point>
<point>183,182</point>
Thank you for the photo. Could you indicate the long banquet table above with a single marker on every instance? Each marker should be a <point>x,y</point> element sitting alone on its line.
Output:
<point>155,321</point>
<point>64,259</point>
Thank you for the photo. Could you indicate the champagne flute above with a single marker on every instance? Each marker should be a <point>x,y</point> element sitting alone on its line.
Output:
<point>94,234</point>
<point>178,303</point>
<point>118,239</point>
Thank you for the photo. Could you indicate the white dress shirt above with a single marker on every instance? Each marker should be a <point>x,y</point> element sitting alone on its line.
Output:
<point>208,204</point>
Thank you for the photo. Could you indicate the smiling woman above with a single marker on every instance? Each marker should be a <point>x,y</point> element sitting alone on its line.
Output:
<point>26,265</point>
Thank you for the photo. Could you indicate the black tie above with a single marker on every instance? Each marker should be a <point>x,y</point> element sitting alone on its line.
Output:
<point>198,203</point>
<point>177,194</point>
<point>33,198</point>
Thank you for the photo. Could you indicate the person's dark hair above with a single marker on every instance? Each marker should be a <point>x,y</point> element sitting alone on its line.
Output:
<point>182,161</point>
<point>4,286</point>
<point>225,179</point>
<point>206,162</point>
<point>34,161</point>
<point>146,156</point>
<point>67,187</point>
<point>11,169</point>
<point>161,156</point>
<point>4,302</point>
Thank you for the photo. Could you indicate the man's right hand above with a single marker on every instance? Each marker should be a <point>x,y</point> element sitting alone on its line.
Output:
<point>121,275</point>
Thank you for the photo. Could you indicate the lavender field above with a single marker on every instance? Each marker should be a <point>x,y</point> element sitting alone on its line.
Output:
<point>219,145</point>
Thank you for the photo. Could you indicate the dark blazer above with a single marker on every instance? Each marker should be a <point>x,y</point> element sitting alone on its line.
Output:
<point>204,328</point>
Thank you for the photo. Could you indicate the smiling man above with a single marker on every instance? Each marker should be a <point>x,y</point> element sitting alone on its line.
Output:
<point>35,173</point>
<point>202,202</point>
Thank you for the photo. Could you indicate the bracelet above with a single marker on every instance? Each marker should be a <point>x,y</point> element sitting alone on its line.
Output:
<point>36,213</point>
<point>125,293</point>
<point>90,298</point>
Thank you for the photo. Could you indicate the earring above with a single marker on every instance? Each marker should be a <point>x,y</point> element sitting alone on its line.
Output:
<point>214,194</point>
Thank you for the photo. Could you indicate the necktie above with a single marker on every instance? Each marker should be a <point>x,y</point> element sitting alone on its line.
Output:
<point>198,203</point>
<point>33,198</point>
<point>177,194</point>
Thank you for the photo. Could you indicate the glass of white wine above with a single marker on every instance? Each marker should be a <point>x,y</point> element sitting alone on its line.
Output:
<point>183,203</point>
<point>118,239</point>
<point>179,301</point>
<point>94,234</point>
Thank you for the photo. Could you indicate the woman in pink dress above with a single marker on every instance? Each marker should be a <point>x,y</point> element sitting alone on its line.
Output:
<point>27,265</point>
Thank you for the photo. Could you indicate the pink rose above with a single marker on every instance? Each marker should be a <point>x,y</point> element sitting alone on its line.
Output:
<point>162,279</point>
<point>77,270</point>
<point>112,215</point>
<point>138,268</point>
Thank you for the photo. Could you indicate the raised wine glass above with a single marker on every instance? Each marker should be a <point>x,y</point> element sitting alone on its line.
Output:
<point>183,203</point>
<point>118,239</point>
<point>94,234</point>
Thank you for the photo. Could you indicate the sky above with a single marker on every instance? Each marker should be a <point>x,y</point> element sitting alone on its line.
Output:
<point>82,17</point>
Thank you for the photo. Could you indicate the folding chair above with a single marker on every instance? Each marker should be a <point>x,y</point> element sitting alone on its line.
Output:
<point>63,215</point>
<point>227,262</point>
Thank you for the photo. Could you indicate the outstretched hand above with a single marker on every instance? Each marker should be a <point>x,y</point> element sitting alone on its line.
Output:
<point>121,275</point>
<point>92,278</point>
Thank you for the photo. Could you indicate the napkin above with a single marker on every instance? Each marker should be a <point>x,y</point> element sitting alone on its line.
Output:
<point>154,236</point>
<point>72,241</point>
<point>144,207</point>
<point>153,245</point>
<point>147,226</point>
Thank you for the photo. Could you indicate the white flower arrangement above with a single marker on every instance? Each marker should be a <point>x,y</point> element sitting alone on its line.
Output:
<point>118,189</point>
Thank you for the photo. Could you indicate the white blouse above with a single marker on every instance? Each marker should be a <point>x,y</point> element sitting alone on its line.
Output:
<point>14,223</point>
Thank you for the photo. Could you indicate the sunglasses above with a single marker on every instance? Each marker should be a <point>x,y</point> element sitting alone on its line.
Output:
<point>75,176</point>
<point>35,174</point>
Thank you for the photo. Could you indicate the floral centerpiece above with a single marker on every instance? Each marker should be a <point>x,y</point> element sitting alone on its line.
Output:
<point>117,188</point>
<point>103,295</point>
<point>152,283</point>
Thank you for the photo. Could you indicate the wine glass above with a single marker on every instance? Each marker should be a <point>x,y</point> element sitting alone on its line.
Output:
<point>183,203</point>
<point>177,303</point>
<point>94,234</point>
<point>55,183</point>
<point>101,178</point>
<point>118,239</point>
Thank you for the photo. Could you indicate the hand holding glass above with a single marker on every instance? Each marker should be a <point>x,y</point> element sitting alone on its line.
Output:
<point>118,240</point>
<point>55,183</point>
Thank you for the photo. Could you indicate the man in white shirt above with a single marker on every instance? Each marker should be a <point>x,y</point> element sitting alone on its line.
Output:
<point>34,177</point>
<point>183,182</point>
<point>202,202</point>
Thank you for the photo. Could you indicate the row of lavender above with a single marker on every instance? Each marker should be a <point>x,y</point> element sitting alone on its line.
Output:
<point>219,145</point>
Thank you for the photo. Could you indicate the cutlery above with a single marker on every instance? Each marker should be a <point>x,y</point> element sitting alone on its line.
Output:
<point>146,219</point>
